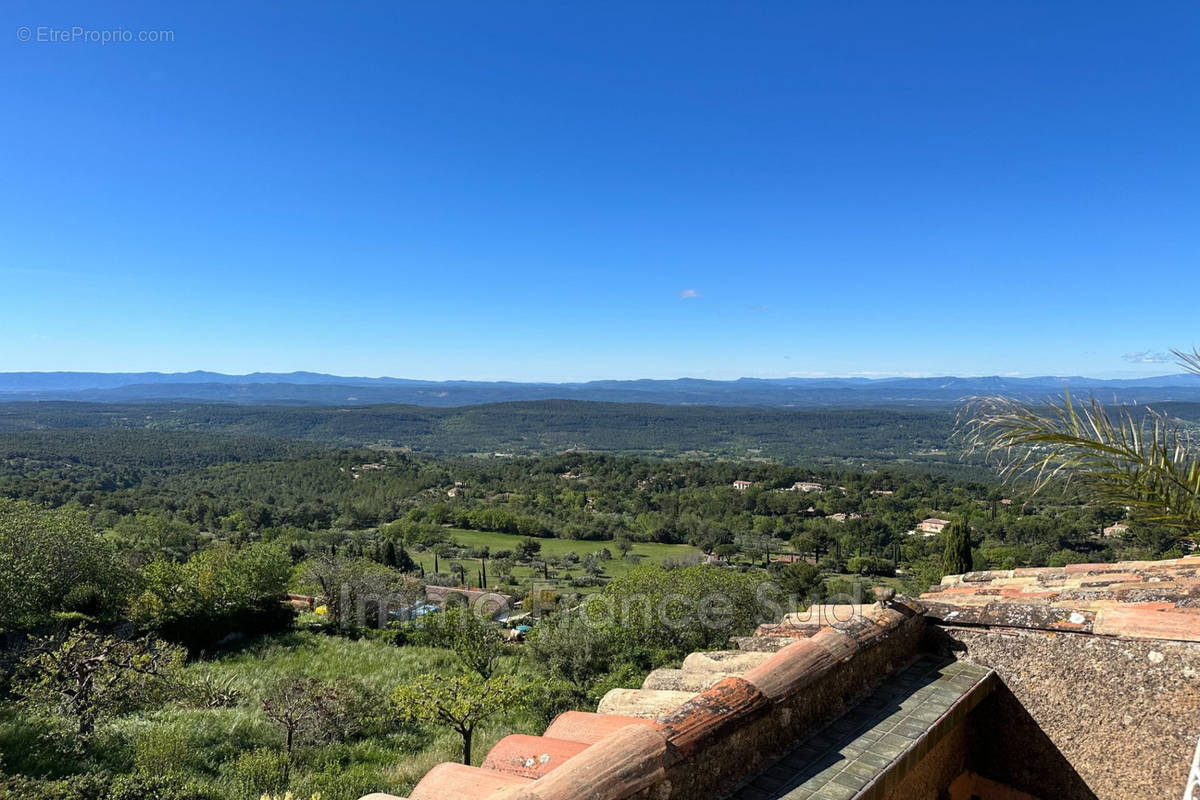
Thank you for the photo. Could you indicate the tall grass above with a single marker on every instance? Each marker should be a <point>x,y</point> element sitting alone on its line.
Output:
<point>204,744</point>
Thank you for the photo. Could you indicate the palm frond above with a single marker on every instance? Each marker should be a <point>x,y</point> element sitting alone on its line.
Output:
<point>1136,457</point>
<point>1189,361</point>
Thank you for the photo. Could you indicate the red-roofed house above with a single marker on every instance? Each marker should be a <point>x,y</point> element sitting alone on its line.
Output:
<point>933,525</point>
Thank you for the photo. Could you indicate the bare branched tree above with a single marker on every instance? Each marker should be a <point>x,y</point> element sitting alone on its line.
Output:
<point>1133,456</point>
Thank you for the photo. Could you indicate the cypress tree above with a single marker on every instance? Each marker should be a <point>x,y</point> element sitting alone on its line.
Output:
<point>957,557</point>
<point>389,555</point>
<point>404,561</point>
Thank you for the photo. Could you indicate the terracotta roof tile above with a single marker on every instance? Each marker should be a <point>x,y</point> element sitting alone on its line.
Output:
<point>461,782</point>
<point>647,703</point>
<point>589,727</point>
<point>530,756</point>
<point>1139,599</point>
<point>1143,622</point>
<point>798,665</point>
<point>724,661</point>
<point>619,765</point>
<point>703,718</point>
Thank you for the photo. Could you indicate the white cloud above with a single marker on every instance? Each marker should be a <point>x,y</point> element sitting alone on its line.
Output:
<point>1147,357</point>
<point>689,294</point>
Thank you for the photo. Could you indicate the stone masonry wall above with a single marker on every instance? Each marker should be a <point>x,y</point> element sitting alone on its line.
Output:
<point>1123,714</point>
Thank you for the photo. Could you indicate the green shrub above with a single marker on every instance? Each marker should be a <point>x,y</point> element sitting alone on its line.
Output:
<point>842,590</point>
<point>78,787</point>
<point>170,786</point>
<point>212,739</point>
<point>260,772</point>
<point>1063,557</point>
<point>656,615</point>
<point>160,750</point>
<point>335,782</point>
<point>869,565</point>
<point>221,590</point>
<point>54,561</point>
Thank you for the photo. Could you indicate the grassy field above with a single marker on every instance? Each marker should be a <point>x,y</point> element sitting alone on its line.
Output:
<point>393,763</point>
<point>206,742</point>
<point>642,553</point>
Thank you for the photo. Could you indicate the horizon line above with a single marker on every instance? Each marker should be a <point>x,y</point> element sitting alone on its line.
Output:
<point>814,376</point>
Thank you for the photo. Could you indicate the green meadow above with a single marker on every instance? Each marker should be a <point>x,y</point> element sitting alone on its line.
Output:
<point>643,553</point>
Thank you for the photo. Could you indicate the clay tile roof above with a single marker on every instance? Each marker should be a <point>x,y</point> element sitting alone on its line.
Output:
<point>458,780</point>
<point>530,756</point>
<point>589,727</point>
<point>618,755</point>
<point>1132,599</point>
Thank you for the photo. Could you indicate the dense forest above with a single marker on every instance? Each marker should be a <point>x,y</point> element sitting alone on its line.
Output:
<point>921,439</point>
<point>552,426</point>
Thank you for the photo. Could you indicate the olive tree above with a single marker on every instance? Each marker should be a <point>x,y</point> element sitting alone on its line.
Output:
<point>87,676</point>
<point>462,702</point>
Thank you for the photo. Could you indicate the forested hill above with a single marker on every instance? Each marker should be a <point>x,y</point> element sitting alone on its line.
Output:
<point>306,388</point>
<point>848,437</point>
<point>825,436</point>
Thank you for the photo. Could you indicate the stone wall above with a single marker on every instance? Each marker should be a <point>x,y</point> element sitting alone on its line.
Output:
<point>1084,716</point>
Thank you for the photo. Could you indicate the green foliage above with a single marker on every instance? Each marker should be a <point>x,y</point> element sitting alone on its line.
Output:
<point>462,702</point>
<point>544,699</point>
<point>956,558</point>
<point>80,787</point>
<point>358,591</point>
<point>923,574</point>
<point>870,565</point>
<point>262,771</point>
<point>336,781</point>
<point>51,561</point>
<point>143,537</point>
<point>655,615</point>
<point>812,436</point>
<point>222,589</point>
<point>310,710</point>
<point>571,650</point>
<point>476,642</point>
<point>86,676</point>
<point>842,590</point>
<point>801,580</point>
<point>1137,457</point>
<point>169,786</point>
<point>198,747</point>
<point>528,549</point>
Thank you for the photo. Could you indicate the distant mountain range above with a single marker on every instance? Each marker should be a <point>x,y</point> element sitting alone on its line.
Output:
<point>309,388</point>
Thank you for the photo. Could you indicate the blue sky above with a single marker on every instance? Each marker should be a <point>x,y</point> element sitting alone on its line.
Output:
<point>561,191</point>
